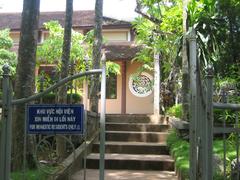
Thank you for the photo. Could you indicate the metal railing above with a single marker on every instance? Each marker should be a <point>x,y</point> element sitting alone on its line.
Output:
<point>202,128</point>
<point>8,102</point>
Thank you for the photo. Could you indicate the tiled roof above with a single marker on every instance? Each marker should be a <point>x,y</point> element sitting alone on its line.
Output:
<point>81,19</point>
<point>114,51</point>
<point>121,51</point>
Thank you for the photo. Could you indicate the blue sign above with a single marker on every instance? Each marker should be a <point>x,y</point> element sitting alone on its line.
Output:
<point>55,119</point>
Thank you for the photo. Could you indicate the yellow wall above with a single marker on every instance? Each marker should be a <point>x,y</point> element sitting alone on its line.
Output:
<point>15,36</point>
<point>134,104</point>
<point>109,35</point>
<point>113,106</point>
<point>116,36</point>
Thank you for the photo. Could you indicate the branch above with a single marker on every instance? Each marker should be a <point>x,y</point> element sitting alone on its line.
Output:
<point>138,10</point>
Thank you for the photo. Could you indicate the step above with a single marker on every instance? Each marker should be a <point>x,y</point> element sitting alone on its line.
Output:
<point>137,127</point>
<point>132,118</point>
<point>93,174</point>
<point>132,162</point>
<point>136,136</point>
<point>133,148</point>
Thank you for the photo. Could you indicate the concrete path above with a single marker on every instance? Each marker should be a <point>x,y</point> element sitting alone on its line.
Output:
<point>93,174</point>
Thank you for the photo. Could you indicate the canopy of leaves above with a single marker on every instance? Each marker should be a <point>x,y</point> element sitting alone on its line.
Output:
<point>218,33</point>
<point>6,56</point>
<point>50,51</point>
<point>160,28</point>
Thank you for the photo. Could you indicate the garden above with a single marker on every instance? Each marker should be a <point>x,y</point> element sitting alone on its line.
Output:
<point>161,28</point>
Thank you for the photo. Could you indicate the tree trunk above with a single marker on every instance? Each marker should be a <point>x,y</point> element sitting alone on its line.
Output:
<point>25,82</point>
<point>62,94</point>
<point>97,46</point>
<point>185,71</point>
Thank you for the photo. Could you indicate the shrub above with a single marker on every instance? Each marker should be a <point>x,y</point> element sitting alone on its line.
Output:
<point>50,98</point>
<point>175,110</point>
<point>180,151</point>
<point>220,116</point>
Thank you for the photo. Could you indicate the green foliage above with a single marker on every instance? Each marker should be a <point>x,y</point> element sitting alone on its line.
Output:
<point>51,97</point>
<point>30,175</point>
<point>6,56</point>
<point>230,152</point>
<point>10,58</point>
<point>218,33</point>
<point>112,68</point>
<point>180,151</point>
<point>50,51</point>
<point>224,115</point>
<point>5,41</point>
<point>175,110</point>
<point>47,81</point>
<point>164,36</point>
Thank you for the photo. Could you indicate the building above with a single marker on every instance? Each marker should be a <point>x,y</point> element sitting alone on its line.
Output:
<point>124,95</point>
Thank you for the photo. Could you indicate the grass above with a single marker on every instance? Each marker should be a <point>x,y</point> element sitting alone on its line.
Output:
<point>30,175</point>
<point>179,149</point>
<point>175,110</point>
<point>37,174</point>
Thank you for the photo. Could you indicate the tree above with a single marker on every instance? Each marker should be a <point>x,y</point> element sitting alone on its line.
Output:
<point>50,51</point>
<point>62,94</point>
<point>25,80</point>
<point>185,67</point>
<point>218,33</point>
<point>96,54</point>
<point>159,28</point>
<point>6,56</point>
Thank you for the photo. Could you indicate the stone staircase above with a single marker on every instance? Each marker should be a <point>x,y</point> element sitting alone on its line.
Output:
<point>135,144</point>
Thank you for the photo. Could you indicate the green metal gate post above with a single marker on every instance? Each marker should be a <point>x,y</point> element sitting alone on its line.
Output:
<point>193,101</point>
<point>7,103</point>
<point>5,151</point>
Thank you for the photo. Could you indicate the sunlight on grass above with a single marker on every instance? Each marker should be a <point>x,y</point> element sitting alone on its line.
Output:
<point>30,175</point>
<point>179,149</point>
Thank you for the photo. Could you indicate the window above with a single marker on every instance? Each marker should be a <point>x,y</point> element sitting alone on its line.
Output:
<point>115,36</point>
<point>111,87</point>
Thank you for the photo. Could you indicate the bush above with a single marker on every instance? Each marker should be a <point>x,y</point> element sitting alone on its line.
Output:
<point>220,115</point>
<point>179,149</point>
<point>175,110</point>
<point>51,97</point>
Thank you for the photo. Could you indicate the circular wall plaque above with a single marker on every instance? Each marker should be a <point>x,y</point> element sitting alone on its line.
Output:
<point>141,86</point>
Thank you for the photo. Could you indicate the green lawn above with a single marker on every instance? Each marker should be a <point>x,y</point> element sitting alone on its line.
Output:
<point>179,148</point>
<point>30,175</point>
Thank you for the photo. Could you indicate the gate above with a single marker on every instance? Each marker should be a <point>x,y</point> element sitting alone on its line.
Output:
<point>8,102</point>
<point>202,130</point>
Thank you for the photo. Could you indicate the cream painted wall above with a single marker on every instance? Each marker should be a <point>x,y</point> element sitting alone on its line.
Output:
<point>15,36</point>
<point>113,106</point>
<point>116,35</point>
<point>109,35</point>
<point>134,104</point>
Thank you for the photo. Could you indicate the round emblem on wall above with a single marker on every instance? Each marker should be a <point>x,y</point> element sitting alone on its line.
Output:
<point>141,86</point>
